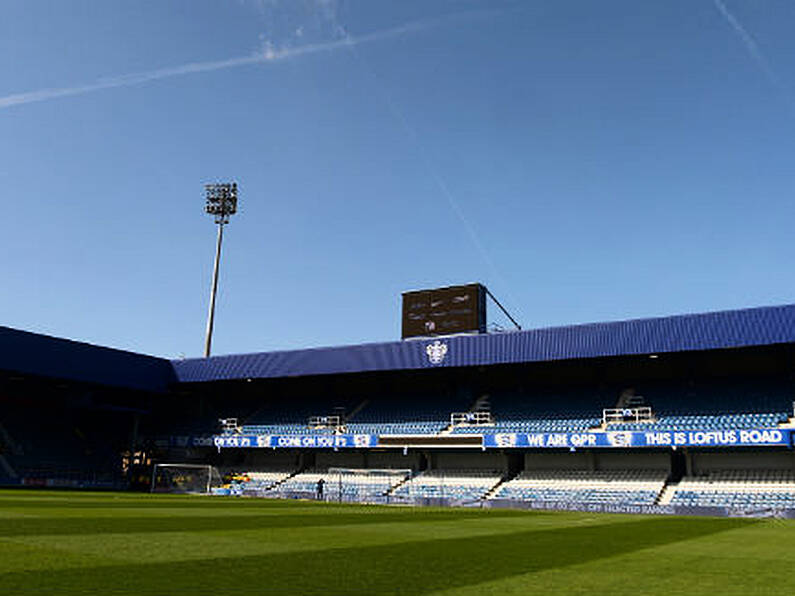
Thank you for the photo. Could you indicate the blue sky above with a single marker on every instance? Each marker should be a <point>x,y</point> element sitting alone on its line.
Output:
<point>586,160</point>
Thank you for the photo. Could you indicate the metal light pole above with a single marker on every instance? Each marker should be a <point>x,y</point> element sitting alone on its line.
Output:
<point>221,203</point>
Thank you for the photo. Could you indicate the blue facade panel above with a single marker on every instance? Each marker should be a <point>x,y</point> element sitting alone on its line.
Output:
<point>45,356</point>
<point>726,329</point>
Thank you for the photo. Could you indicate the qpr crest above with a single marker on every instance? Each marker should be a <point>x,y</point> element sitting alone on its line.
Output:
<point>619,439</point>
<point>436,352</point>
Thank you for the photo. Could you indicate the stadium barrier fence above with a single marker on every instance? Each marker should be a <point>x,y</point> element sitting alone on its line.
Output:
<point>758,512</point>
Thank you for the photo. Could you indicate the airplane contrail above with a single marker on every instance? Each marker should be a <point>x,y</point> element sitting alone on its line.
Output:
<point>267,56</point>
<point>400,116</point>
<point>749,43</point>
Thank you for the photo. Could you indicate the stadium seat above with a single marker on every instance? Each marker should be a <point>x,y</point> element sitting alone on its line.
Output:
<point>625,487</point>
<point>459,485</point>
<point>737,488</point>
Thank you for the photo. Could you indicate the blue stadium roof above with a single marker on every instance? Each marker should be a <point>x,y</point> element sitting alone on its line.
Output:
<point>708,331</point>
<point>41,355</point>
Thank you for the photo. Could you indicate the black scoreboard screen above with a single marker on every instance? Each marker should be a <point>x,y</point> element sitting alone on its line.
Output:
<point>444,311</point>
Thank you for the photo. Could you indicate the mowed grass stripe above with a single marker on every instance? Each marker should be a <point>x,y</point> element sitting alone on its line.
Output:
<point>669,569</point>
<point>53,526</point>
<point>28,500</point>
<point>16,556</point>
<point>416,567</point>
<point>306,547</point>
<point>182,546</point>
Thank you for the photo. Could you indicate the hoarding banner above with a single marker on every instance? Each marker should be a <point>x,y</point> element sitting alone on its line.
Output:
<point>299,441</point>
<point>756,512</point>
<point>763,437</point>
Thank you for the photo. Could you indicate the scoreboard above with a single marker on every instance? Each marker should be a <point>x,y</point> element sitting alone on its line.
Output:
<point>444,311</point>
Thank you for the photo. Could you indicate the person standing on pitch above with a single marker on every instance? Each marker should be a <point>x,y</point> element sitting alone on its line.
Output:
<point>319,489</point>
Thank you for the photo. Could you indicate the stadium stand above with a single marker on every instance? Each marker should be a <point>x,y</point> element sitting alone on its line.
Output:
<point>290,415</point>
<point>302,484</point>
<point>714,372</point>
<point>460,485</point>
<point>365,485</point>
<point>716,405</point>
<point>547,409</point>
<point>418,414</point>
<point>627,487</point>
<point>284,429</point>
<point>735,488</point>
<point>61,447</point>
<point>265,479</point>
<point>403,415</point>
<point>725,406</point>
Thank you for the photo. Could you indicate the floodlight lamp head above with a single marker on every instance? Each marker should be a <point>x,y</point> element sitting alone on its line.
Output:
<point>221,201</point>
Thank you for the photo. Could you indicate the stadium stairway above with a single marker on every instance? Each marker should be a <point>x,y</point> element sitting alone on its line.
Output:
<point>493,490</point>
<point>481,404</point>
<point>12,447</point>
<point>358,408</point>
<point>392,490</point>
<point>447,430</point>
<point>283,480</point>
<point>667,493</point>
<point>6,469</point>
<point>267,480</point>
<point>790,423</point>
<point>468,485</point>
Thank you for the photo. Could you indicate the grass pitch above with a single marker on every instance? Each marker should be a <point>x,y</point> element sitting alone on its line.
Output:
<point>64,543</point>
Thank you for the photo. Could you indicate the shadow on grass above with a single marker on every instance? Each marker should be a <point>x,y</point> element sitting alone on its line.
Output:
<point>319,517</point>
<point>57,500</point>
<point>409,567</point>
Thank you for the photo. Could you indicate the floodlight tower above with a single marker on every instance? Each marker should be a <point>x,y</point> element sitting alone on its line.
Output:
<point>221,203</point>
